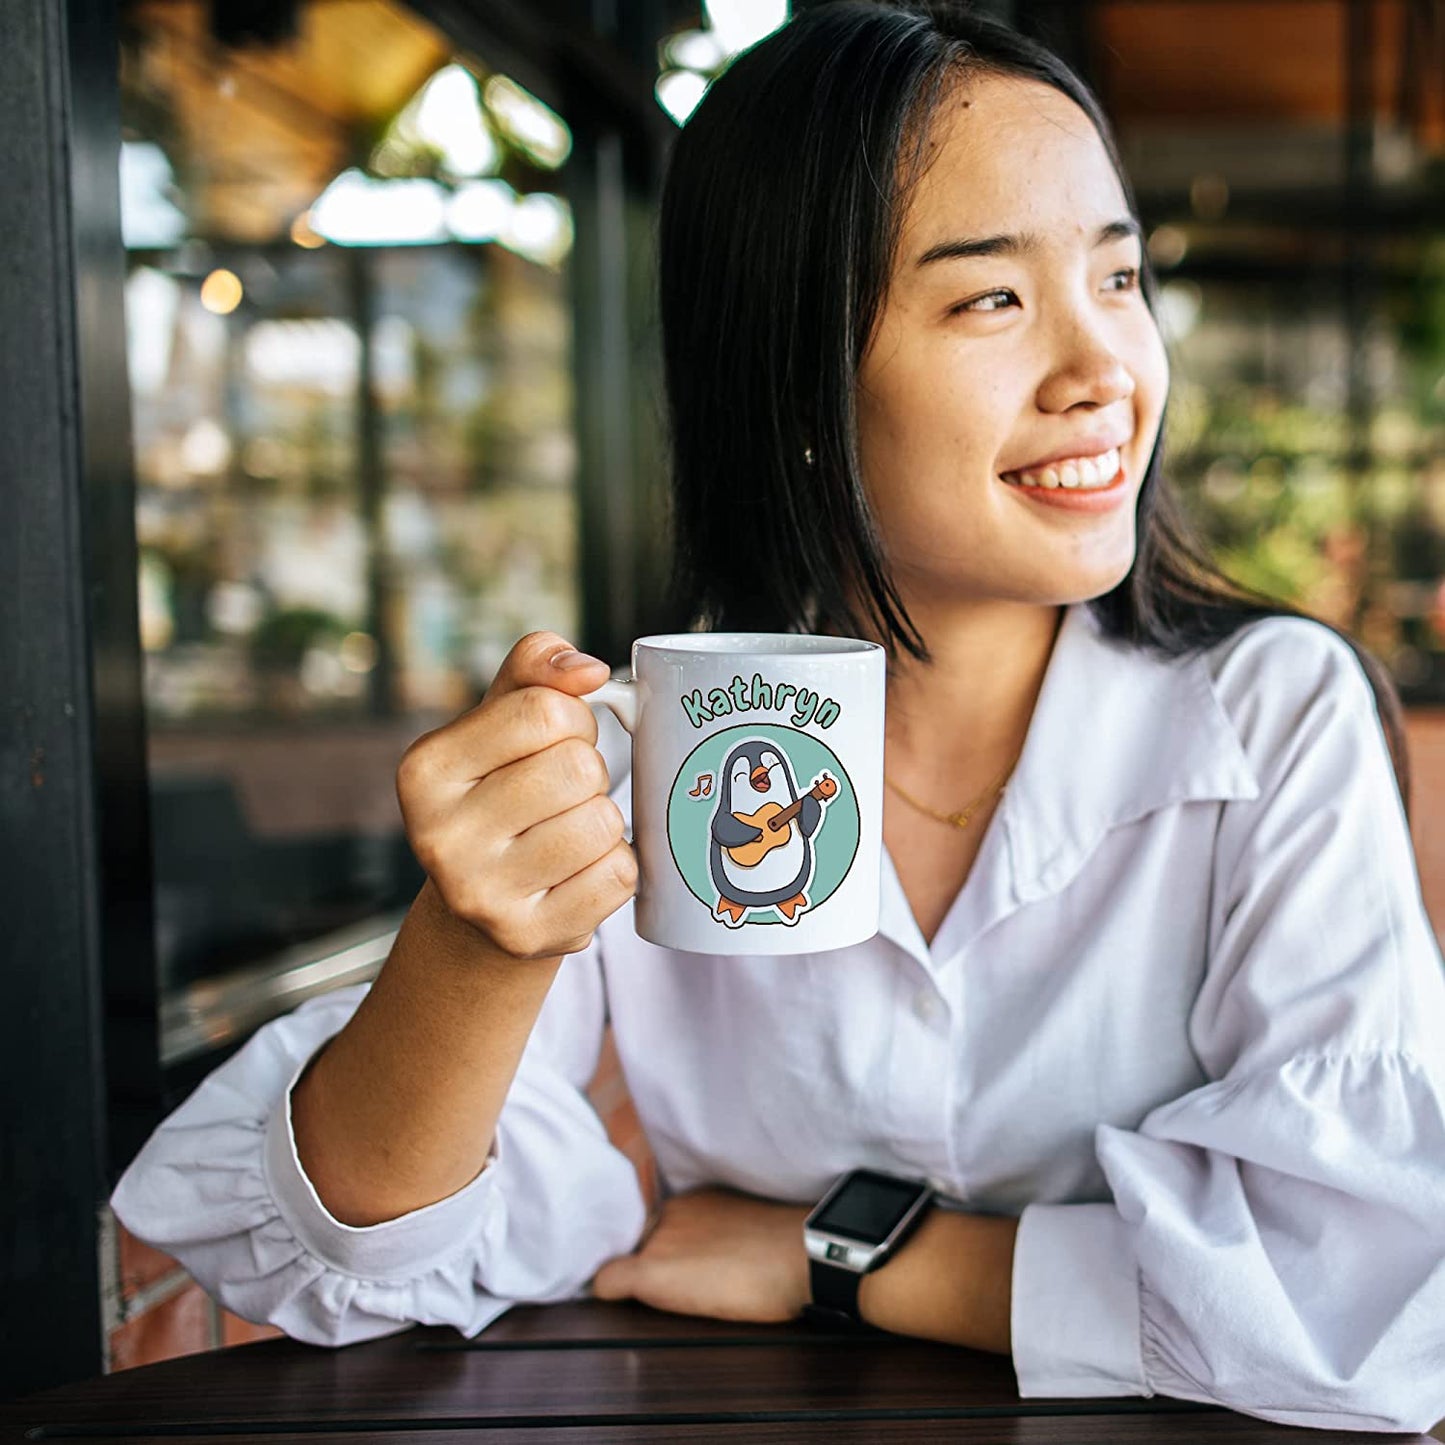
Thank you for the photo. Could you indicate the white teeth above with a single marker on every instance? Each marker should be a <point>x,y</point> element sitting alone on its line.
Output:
<point>1080,474</point>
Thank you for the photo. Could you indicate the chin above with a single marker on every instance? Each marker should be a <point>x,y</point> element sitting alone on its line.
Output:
<point>1039,580</point>
<point>1079,587</point>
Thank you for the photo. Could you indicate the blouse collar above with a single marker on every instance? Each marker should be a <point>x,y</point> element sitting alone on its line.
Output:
<point>1116,733</point>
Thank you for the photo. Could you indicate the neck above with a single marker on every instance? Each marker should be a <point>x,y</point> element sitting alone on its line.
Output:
<point>964,715</point>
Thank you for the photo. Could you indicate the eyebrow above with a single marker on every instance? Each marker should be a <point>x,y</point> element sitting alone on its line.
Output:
<point>1026,243</point>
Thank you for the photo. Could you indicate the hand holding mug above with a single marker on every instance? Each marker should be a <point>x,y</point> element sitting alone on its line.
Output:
<point>506,807</point>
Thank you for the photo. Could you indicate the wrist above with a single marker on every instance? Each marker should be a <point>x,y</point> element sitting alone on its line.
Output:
<point>802,1277</point>
<point>950,1281</point>
<point>449,939</point>
<point>857,1227</point>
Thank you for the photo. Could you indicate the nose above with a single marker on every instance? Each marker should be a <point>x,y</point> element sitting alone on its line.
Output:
<point>1091,364</point>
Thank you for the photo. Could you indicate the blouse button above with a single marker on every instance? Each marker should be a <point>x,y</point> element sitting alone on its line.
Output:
<point>926,1005</point>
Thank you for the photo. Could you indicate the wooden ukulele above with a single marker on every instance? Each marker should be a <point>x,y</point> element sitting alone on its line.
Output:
<point>773,818</point>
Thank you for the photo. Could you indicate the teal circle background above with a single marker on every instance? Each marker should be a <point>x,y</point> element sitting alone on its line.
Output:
<point>689,820</point>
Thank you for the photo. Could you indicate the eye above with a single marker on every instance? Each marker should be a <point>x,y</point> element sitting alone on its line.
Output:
<point>1131,273</point>
<point>769,759</point>
<point>987,296</point>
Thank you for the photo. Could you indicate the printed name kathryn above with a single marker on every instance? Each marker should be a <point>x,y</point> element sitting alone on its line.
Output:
<point>737,698</point>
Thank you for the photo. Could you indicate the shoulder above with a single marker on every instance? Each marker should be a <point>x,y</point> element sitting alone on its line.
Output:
<point>1283,653</point>
<point>1281,679</point>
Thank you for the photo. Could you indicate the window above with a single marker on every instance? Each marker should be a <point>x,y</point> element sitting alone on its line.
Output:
<point>350,360</point>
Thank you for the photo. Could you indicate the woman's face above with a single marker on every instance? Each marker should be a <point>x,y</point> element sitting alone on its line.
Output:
<point>984,364</point>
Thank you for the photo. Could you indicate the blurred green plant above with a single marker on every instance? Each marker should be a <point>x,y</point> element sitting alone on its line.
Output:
<point>1415,301</point>
<point>285,636</point>
<point>1265,484</point>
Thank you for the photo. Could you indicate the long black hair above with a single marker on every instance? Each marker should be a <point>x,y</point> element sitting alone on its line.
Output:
<point>780,218</point>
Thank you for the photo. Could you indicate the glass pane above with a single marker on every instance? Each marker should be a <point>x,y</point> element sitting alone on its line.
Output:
<point>350,361</point>
<point>1303,296</point>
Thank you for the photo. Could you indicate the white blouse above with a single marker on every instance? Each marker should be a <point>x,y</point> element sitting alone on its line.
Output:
<point>1185,1019</point>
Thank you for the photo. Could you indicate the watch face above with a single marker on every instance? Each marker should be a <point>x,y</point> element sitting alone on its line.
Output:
<point>867,1208</point>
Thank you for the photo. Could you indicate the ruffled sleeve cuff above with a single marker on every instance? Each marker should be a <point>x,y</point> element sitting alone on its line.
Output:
<point>397,1249</point>
<point>1075,1304</point>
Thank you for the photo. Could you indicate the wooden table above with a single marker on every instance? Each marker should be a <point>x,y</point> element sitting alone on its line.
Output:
<point>596,1372</point>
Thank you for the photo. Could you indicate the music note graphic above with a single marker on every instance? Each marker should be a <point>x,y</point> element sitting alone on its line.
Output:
<point>702,787</point>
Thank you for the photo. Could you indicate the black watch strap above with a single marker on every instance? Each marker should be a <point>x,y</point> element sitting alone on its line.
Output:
<point>835,1300</point>
<point>834,1289</point>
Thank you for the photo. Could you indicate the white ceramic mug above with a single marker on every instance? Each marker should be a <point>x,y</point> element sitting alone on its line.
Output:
<point>757,788</point>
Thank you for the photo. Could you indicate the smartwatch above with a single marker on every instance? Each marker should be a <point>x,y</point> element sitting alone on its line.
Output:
<point>853,1229</point>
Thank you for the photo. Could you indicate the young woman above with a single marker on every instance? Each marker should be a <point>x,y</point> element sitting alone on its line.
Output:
<point>1159,1021</point>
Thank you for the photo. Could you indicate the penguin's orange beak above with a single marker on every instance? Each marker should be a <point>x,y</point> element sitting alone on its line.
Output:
<point>759,778</point>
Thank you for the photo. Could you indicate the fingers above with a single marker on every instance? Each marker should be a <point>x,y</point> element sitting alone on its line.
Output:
<point>530,663</point>
<point>560,847</point>
<point>584,900</point>
<point>441,766</point>
<point>530,704</point>
<point>550,921</point>
<point>543,785</point>
<point>510,800</point>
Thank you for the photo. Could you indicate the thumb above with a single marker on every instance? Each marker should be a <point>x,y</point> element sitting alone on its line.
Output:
<point>548,659</point>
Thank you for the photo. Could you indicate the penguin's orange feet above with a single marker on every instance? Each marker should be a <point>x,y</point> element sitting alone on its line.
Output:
<point>734,912</point>
<point>791,907</point>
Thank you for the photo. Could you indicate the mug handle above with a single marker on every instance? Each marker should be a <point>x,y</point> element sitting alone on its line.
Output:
<point>619,696</point>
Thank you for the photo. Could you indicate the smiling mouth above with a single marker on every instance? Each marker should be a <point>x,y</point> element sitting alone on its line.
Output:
<point>1080,474</point>
<point>759,779</point>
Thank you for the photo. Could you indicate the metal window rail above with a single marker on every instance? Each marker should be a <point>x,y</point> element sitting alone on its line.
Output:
<point>213,1012</point>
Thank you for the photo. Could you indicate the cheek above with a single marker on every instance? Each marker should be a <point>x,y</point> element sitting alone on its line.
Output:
<point>1151,367</point>
<point>929,415</point>
<point>929,434</point>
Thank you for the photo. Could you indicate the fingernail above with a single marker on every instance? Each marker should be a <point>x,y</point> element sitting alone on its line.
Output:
<point>572,658</point>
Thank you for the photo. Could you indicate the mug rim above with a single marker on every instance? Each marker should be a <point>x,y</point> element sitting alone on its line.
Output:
<point>758,644</point>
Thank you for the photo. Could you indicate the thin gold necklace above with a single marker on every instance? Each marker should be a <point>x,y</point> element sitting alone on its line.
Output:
<point>959,819</point>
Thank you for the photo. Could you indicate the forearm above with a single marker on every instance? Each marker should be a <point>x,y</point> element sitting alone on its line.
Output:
<point>951,1281</point>
<point>399,1109</point>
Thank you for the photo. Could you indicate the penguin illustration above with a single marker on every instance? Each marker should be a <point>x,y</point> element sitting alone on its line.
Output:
<point>756,772</point>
